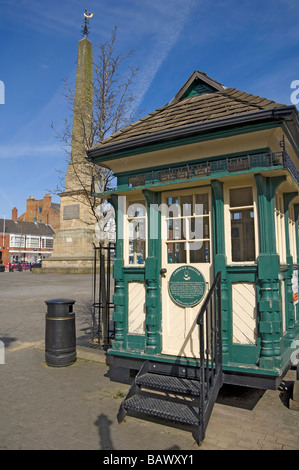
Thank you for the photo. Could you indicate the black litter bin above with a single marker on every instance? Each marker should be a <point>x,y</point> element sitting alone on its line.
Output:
<point>60,341</point>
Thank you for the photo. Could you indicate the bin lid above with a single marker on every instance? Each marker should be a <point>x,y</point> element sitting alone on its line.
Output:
<point>60,301</point>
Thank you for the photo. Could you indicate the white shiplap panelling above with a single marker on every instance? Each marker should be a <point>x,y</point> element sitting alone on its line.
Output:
<point>136,308</point>
<point>244,313</point>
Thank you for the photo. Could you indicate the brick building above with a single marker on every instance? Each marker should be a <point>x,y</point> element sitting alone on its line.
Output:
<point>42,211</point>
<point>24,241</point>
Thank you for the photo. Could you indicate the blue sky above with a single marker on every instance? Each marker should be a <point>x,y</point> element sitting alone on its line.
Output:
<point>251,45</point>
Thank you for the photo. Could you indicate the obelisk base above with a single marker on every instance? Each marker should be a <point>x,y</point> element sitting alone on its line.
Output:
<point>73,252</point>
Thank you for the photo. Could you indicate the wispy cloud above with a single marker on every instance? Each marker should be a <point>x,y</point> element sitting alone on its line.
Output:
<point>18,150</point>
<point>48,18</point>
<point>165,23</point>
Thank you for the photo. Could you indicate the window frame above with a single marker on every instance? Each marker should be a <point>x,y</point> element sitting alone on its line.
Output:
<point>13,243</point>
<point>227,220</point>
<point>44,241</point>
<point>127,219</point>
<point>29,239</point>
<point>183,241</point>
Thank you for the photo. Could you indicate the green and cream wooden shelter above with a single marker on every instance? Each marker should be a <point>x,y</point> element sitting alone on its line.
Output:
<point>209,183</point>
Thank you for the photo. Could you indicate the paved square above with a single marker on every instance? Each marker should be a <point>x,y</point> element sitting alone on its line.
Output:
<point>75,407</point>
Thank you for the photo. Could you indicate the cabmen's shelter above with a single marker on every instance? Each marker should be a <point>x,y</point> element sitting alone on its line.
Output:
<point>207,212</point>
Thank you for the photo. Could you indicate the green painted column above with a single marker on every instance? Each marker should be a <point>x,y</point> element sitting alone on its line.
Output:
<point>220,263</point>
<point>289,301</point>
<point>152,274</point>
<point>269,327</point>
<point>119,314</point>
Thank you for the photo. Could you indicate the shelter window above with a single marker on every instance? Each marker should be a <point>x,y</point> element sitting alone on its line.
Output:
<point>188,229</point>
<point>136,229</point>
<point>242,224</point>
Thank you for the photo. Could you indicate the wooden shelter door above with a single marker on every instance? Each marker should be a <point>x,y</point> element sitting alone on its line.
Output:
<point>186,267</point>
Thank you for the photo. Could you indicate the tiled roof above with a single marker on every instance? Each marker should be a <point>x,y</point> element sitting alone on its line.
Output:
<point>26,228</point>
<point>195,109</point>
<point>55,206</point>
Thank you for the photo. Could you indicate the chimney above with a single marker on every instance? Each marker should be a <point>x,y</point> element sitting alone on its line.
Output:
<point>14,214</point>
<point>47,201</point>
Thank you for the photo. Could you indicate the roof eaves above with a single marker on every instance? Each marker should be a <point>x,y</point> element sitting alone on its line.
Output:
<point>201,127</point>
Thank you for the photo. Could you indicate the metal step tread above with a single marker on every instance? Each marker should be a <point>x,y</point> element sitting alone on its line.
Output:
<point>169,383</point>
<point>179,412</point>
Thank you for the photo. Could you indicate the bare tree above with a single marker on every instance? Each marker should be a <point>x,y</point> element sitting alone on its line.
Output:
<point>107,107</point>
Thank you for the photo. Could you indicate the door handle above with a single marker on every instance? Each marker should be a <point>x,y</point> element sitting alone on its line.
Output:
<point>163,271</point>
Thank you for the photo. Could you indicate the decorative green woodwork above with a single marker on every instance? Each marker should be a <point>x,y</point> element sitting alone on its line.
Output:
<point>266,188</point>
<point>241,353</point>
<point>119,314</point>
<point>152,274</point>
<point>198,87</point>
<point>271,351</point>
<point>218,220</point>
<point>119,305</point>
<point>135,342</point>
<point>212,167</point>
<point>220,261</point>
<point>269,305</point>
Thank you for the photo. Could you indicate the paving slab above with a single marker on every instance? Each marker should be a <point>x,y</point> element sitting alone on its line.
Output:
<point>75,407</point>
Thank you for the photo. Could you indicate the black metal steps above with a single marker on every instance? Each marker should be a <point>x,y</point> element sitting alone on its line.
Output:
<point>172,411</point>
<point>169,383</point>
<point>184,393</point>
<point>174,398</point>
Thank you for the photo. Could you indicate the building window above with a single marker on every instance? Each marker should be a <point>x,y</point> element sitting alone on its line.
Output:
<point>242,224</point>
<point>17,241</point>
<point>47,243</point>
<point>136,227</point>
<point>32,242</point>
<point>40,210</point>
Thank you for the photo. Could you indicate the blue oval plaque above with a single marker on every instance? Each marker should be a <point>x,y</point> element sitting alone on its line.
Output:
<point>186,286</point>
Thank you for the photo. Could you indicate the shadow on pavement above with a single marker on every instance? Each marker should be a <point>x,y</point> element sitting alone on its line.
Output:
<point>239,397</point>
<point>7,340</point>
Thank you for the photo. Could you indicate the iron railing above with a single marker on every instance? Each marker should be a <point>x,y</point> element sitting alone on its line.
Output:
<point>103,327</point>
<point>210,338</point>
<point>212,167</point>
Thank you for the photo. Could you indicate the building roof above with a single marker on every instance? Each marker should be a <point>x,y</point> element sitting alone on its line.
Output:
<point>26,228</point>
<point>199,100</point>
<point>55,206</point>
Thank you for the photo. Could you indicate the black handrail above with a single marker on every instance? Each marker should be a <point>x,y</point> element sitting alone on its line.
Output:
<point>207,299</point>
<point>210,351</point>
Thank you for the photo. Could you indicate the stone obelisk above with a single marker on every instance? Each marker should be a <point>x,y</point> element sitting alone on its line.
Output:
<point>73,249</point>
